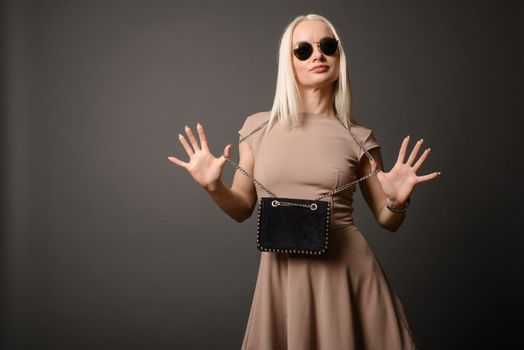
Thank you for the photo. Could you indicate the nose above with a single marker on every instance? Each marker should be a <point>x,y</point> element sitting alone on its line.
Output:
<point>316,51</point>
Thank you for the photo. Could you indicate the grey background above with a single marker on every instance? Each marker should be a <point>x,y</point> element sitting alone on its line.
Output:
<point>105,244</point>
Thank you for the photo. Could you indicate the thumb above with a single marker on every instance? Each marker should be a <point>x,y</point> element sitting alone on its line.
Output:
<point>227,150</point>
<point>227,153</point>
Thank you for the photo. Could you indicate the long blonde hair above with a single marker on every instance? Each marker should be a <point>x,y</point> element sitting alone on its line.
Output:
<point>287,99</point>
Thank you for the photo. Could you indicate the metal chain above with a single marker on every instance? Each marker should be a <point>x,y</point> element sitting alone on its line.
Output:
<point>251,177</point>
<point>276,203</point>
<point>349,184</point>
<point>237,143</point>
<point>330,193</point>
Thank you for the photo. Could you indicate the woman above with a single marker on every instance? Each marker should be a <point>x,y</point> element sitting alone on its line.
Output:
<point>340,300</point>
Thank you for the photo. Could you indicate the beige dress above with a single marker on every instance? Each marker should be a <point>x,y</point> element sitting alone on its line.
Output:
<point>338,301</point>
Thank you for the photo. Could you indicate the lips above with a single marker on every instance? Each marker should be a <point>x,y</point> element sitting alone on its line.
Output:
<point>320,68</point>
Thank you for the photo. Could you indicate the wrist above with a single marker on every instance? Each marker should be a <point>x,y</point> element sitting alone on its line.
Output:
<point>214,186</point>
<point>396,203</point>
<point>397,206</point>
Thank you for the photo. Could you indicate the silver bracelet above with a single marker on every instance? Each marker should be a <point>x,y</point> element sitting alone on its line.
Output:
<point>395,209</point>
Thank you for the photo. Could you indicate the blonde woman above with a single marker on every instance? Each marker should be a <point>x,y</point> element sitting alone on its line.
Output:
<point>342,299</point>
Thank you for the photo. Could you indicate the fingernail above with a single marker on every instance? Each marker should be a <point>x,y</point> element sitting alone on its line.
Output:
<point>407,137</point>
<point>187,127</point>
<point>179,135</point>
<point>439,173</point>
<point>429,149</point>
<point>421,140</point>
<point>198,124</point>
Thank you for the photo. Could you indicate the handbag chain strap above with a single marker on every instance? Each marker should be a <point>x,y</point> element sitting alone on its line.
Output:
<point>330,193</point>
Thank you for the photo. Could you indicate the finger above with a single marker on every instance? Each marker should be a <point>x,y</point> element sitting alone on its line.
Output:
<point>227,153</point>
<point>202,136</point>
<point>192,138</point>
<point>414,152</point>
<point>428,177</point>
<point>421,160</point>
<point>402,151</point>
<point>186,146</point>
<point>227,150</point>
<point>177,161</point>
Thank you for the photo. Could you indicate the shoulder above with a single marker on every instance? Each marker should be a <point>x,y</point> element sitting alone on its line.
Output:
<point>366,137</point>
<point>360,131</point>
<point>257,117</point>
<point>253,120</point>
<point>363,133</point>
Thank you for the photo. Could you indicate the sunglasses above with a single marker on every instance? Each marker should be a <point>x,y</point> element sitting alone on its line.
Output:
<point>328,46</point>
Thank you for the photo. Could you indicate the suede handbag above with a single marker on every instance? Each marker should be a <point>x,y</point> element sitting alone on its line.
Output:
<point>295,225</point>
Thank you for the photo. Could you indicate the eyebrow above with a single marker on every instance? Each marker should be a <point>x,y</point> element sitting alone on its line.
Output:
<point>325,36</point>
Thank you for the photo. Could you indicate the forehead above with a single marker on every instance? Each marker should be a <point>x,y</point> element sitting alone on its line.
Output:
<point>311,30</point>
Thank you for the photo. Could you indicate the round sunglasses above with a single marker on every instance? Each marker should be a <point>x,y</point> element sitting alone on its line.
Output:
<point>303,49</point>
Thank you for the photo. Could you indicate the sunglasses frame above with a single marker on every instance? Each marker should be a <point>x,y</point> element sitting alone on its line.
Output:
<point>311,46</point>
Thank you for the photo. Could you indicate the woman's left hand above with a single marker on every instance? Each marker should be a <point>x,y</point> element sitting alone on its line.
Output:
<point>400,181</point>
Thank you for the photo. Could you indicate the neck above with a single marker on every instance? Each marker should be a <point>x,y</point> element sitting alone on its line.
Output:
<point>317,100</point>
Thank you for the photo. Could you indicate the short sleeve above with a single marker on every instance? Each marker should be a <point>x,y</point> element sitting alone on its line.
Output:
<point>250,124</point>
<point>369,143</point>
<point>243,130</point>
<point>246,129</point>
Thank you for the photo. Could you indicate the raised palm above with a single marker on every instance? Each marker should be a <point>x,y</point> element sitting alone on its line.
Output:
<point>399,182</point>
<point>205,168</point>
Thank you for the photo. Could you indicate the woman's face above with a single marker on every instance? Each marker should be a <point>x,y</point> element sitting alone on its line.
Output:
<point>312,31</point>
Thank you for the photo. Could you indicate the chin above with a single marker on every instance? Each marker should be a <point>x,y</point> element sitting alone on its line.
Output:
<point>319,82</point>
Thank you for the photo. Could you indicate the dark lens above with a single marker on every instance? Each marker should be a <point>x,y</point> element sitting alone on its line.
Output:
<point>329,46</point>
<point>303,51</point>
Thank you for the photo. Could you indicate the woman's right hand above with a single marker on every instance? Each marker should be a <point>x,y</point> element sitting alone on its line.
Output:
<point>203,166</point>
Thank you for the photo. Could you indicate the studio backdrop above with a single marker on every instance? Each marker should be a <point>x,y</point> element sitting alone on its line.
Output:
<point>105,244</point>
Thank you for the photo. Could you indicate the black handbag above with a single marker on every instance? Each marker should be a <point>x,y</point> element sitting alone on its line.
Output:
<point>295,225</point>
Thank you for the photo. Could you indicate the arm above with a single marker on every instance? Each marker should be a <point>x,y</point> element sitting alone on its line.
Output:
<point>239,201</point>
<point>375,196</point>
<point>397,184</point>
